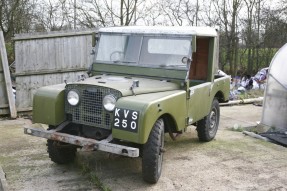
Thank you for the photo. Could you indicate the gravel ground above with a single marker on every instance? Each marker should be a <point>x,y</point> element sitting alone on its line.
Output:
<point>231,162</point>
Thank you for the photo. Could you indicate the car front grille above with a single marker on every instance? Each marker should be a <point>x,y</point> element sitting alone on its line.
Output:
<point>90,110</point>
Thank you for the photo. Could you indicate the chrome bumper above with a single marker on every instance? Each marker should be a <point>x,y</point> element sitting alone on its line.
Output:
<point>85,143</point>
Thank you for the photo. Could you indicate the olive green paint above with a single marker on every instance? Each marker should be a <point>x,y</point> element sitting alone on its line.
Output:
<point>138,71</point>
<point>123,84</point>
<point>222,85</point>
<point>199,102</point>
<point>151,107</point>
<point>49,105</point>
<point>174,103</point>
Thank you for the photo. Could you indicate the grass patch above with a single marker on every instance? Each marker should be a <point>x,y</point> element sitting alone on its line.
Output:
<point>86,170</point>
<point>239,128</point>
<point>251,94</point>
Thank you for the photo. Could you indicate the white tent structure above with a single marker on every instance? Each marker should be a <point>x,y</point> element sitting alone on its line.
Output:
<point>274,115</point>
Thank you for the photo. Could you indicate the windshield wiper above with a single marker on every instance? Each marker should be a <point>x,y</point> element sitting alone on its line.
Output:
<point>121,61</point>
<point>171,65</point>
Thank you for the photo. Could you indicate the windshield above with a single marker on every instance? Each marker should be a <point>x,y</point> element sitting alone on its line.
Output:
<point>146,51</point>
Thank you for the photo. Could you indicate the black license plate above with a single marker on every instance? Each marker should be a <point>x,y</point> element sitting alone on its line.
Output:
<point>126,119</point>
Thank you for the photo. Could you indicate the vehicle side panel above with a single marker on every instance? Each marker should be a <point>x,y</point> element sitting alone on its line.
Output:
<point>222,85</point>
<point>199,102</point>
<point>201,97</point>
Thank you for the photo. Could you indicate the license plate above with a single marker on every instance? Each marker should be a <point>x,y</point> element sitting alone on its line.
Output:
<point>126,119</point>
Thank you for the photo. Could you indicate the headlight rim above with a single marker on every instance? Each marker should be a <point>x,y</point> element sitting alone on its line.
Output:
<point>114,99</point>
<point>78,93</point>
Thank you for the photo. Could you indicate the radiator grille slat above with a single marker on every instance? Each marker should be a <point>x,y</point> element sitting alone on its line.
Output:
<point>90,110</point>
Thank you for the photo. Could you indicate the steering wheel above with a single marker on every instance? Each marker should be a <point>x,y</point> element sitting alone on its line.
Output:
<point>117,55</point>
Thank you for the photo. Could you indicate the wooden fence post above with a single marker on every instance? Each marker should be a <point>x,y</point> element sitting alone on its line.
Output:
<point>11,100</point>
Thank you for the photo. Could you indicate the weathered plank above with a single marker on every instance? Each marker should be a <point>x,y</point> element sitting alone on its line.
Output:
<point>4,106</point>
<point>47,59</point>
<point>6,71</point>
<point>53,34</point>
<point>27,86</point>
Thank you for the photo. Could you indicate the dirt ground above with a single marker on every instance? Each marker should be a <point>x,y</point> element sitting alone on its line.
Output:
<point>231,162</point>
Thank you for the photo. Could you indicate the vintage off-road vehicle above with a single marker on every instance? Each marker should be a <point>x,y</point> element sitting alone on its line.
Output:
<point>144,82</point>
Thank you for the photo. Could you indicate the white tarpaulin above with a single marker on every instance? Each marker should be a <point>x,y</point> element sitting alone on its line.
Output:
<point>274,113</point>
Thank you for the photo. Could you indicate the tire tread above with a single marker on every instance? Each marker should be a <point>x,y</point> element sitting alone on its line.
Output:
<point>203,124</point>
<point>60,155</point>
<point>151,152</point>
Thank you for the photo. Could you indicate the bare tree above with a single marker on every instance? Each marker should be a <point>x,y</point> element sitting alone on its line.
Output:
<point>179,13</point>
<point>227,13</point>
<point>150,13</point>
<point>54,15</point>
<point>249,33</point>
<point>97,13</point>
<point>274,34</point>
<point>15,16</point>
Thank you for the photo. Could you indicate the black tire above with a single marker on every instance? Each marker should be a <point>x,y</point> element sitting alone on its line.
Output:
<point>208,126</point>
<point>153,153</point>
<point>61,153</point>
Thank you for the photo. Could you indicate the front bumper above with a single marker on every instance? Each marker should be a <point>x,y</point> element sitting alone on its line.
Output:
<point>85,143</point>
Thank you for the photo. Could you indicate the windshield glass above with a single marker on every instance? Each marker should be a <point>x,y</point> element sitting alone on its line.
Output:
<point>118,48</point>
<point>146,51</point>
<point>164,52</point>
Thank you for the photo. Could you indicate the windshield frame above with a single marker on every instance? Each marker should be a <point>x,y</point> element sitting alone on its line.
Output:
<point>142,37</point>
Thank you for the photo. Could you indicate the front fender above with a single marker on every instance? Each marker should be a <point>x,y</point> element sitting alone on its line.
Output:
<point>49,105</point>
<point>150,107</point>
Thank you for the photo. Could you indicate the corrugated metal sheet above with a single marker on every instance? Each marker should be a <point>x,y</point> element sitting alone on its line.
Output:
<point>47,59</point>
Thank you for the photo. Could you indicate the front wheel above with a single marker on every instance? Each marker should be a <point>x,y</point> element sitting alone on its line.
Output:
<point>208,126</point>
<point>153,153</point>
<point>61,153</point>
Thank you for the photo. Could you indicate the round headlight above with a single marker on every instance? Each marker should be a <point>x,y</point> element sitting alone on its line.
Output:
<point>109,102</point>
<point>73,97</point>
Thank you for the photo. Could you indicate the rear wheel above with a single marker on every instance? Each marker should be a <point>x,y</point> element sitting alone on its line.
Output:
<point>153,153</point>
<point>208,126</point>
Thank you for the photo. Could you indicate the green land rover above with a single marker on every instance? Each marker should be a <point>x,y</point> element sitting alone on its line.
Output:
<point>144,82</point>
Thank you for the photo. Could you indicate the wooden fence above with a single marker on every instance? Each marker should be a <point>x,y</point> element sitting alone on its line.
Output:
<point>47,59</point>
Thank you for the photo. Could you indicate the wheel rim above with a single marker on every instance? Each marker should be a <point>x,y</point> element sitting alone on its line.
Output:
<point>213,120</point>
<point>160,157</point>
